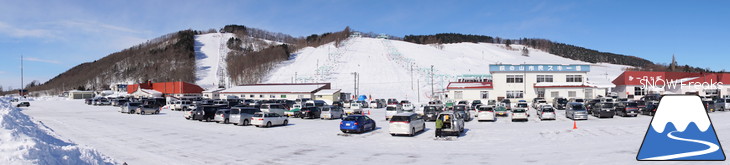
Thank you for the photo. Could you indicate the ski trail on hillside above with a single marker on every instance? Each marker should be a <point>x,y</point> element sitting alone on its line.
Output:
<point>713,148</point>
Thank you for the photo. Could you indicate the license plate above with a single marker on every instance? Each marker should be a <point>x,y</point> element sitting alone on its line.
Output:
<point>347,124</point>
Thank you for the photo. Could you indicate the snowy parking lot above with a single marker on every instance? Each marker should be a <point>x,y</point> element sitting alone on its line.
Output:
<point>168,138</point>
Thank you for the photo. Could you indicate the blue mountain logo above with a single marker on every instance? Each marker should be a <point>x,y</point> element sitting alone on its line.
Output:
<point>681,130</point>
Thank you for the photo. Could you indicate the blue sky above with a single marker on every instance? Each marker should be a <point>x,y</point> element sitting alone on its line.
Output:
<point>57,35</point>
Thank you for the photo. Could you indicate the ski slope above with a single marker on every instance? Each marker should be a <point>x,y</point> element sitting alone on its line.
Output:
<point>210,55</point>
<point>390,68</point>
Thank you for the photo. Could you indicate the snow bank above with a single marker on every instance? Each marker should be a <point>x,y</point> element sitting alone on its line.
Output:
<point>23,141</point>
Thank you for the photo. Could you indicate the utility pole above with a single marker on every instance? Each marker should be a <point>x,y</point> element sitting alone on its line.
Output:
<point>419,90</point>
<point>432,92</point>
<point>295,77</point>
<point>355,85</point>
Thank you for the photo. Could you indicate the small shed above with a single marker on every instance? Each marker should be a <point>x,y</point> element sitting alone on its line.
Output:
<point>77,94</point>
<point>328,95</point>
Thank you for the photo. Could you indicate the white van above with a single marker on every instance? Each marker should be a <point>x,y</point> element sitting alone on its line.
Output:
<point>331,112</point>
<point>391,110</point>
<point>406,124</point>
<point>355,108</point>
<point>273,108</point>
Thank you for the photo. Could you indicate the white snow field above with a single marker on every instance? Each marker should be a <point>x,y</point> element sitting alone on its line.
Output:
<point>168,138</point>
<point>24,141</point>
<point>385,65</point>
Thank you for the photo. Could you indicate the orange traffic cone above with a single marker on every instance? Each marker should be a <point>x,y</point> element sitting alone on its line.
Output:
<point>368,112</point>
<point>574,125</point>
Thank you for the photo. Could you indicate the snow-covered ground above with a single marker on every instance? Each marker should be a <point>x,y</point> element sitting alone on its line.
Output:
<point>168,138</point>
<point>385,65</point>
<point>25,141</point>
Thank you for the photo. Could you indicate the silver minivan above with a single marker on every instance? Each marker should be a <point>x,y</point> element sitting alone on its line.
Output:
<point>453,124</point>
<point>242,115</point>
<point>576,111</point>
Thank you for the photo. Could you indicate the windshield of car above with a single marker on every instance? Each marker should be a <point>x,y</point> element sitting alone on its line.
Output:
<point>133,104</point>
<point>390,108</point>
<point>400,118</point>
<point>548,110</point>
<point>523,105</point>
<point>459,108</point>
<point>562,101</point>
<point>578,107</point>
<point>632,105</point>
<point>351,118</point>
<point>258,115</point>
<point>518,111</point>
<point>486,109</point>
<point>476,102</point>
<point>607,105</point>
<point>579,100</point>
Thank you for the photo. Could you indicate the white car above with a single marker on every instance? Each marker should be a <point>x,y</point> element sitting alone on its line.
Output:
<point>546,112</point>
<point>374,104</point>
<point>485,113</point>
<point>181,105</point>
<point>355,108</point>
<point>391,110</point>
<point>538,103</point>
<point>274,108</point>
<point>408,107</point>
<point>519,114</point>
<point>331,112</point>
<point>406,124</point>
<point>260,119</point>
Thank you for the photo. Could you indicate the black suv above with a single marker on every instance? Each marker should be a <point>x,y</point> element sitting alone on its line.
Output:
<point>206,112</point>
<point>310,112</point>
<point>23,104</point>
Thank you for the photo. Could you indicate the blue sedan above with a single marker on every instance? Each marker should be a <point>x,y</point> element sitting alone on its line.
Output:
<point>357,123</point>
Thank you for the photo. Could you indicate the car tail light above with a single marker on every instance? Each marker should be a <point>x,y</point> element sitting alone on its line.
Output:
<point>340,123</point>
<point>355,123</point>
<point>260,119</point>
<point>406,122</point>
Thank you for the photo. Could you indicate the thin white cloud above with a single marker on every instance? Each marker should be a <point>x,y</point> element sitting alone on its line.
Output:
<point>41,60</point>
<point>92,26</point>
<point>23,32</point>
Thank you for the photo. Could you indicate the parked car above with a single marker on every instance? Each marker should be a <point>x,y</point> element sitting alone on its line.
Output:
<point>392,101</point>
<point>408,107</point>
<point>391,110</point>
<point>452,124</point>
<point>501,109</point>
<point>273,108</point>
<point>546,112</point>
<point>591,103</point>
<point>23,104</point>
<point>315,103</point>
<point>604,109</point>
<point>431,112</point>
<point>559,103</point>
<point>363,104</point>
<point>408,123</point>
<point>536,102</point>
<point>242,115</point>
<point>181,105</point>
<point>332,112</point>
<point>627,108</point>
<point>650,109</point>
<point>103,101</point>
<point>119,102</point>
<point>486,113</point>
<point>375,104</point>
<point>222,116</point>
<point>507,103</point>
<point>474,104</point>
<point>357,123</point>
<point>295,111</point>
<point>722,104</point>
<point>147,109</point>
<point>88,101</point>
<point>576,110</point>
<point>129,107</point>
<point>519,114</point>
<point>264,119</point>
<point>205,112</point>
<point>310,112</point>
<point>355,108</point>
<point>576,100</point>
<point>462,111</point>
